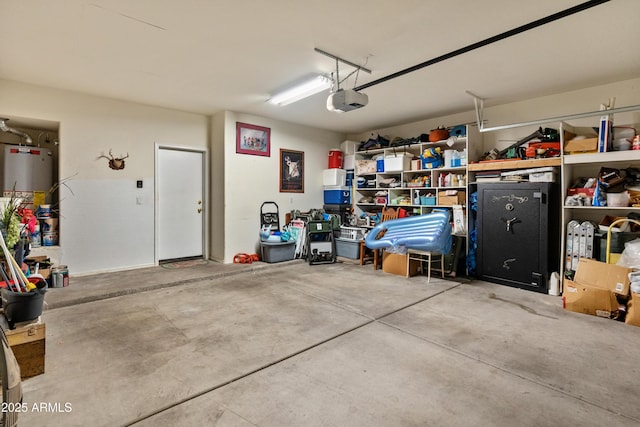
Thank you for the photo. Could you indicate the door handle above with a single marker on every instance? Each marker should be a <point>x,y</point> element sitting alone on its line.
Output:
<point>510,221</point>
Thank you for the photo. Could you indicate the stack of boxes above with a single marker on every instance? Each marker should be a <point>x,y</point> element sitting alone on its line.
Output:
<point>338,180</point>
<point>603,290</point>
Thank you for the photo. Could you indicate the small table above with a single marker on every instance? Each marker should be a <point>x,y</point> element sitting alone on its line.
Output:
<point>414,254</point>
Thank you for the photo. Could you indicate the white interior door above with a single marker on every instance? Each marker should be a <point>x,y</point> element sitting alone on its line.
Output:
<point>180,204</point>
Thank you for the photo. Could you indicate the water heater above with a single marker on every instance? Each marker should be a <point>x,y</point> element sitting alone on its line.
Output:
<point>29,168</point>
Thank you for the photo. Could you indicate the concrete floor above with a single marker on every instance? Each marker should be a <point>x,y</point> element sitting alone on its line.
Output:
<point>290,344</point>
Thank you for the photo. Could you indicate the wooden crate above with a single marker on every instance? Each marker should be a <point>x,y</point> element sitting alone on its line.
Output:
<point>27,341</point>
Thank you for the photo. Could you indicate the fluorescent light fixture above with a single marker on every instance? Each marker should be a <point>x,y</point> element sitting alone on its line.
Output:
<point>301,91</point>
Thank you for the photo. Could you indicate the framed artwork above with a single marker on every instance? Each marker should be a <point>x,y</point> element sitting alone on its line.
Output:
<point>291,171</point>
<point>252,139</point>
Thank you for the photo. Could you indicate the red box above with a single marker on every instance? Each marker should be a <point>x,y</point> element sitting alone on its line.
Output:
<point>586,191</point>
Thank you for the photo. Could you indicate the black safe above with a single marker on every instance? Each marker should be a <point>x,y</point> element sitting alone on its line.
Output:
<point>518,233</point>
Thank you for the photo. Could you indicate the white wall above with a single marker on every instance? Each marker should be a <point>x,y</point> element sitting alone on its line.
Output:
<point>251,180</point>
<point>216,184</point>
<point>102,228</point>
<point>579,101</point>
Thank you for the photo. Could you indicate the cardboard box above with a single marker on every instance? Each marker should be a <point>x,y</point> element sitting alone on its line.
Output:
<point>607,220</point>
<point>594,288</point>
<point>457,198</point>
<point>581,145</point>
<point>365,167</point>
<point>44,265</point>
<point>633,310</point>
<point>613,277</point>
<point>586,191</point>
<point>397,264</point>
<point>588,299</point>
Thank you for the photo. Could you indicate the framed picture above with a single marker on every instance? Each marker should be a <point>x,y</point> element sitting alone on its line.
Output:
<point>252,139</point>
<point>291,171</point>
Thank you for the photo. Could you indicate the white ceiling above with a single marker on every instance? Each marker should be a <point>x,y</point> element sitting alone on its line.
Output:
<point>205,56</point>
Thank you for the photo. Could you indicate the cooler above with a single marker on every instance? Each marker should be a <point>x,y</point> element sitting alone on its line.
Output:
<point>337,195</point>
<point>334,177</point>
<point>335,159</point>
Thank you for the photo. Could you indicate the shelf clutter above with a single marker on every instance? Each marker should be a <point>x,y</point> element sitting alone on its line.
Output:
<point>22,304</point>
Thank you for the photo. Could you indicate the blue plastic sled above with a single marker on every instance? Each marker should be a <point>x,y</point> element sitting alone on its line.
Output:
<point>430,232</point>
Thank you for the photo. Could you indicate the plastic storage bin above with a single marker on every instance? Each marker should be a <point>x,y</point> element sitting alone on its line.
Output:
<point>334,177</point>
<point>337,195</point>
<point>348,248</point>
<point>277,251</point>
<point>428,200</point>
<point>399,162</point>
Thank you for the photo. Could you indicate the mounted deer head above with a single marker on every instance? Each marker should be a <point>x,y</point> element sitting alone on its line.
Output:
<point>115,163</point>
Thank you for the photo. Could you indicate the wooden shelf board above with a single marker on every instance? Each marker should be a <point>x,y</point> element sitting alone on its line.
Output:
<point>515,164</point>
<point>612,156</point>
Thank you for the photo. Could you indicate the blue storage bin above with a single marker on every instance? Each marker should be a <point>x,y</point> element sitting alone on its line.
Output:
<point>380,165</point>
<point>337,195</point>
<point>431,162</point>
<point>428,200</point>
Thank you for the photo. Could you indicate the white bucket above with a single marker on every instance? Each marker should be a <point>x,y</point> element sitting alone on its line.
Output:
<point>50,238</point>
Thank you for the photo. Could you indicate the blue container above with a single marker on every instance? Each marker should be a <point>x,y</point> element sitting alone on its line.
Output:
<point>428,200</point>
<point>349,178</point>
<point>380,165</point>
<point>337,195</point>
<point>431,162</point>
